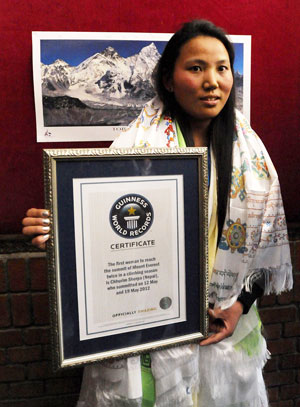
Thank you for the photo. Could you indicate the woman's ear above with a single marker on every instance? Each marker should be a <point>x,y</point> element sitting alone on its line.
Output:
<point>168,83</point>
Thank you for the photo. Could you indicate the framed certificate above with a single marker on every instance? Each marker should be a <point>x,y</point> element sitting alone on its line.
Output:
<point>128,250</point>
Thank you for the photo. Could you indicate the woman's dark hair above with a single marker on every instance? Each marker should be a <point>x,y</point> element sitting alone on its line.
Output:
<point>222,127</point>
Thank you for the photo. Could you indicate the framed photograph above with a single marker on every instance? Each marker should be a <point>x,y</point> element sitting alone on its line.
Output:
<point>128,252</point>
<point>89,86</point>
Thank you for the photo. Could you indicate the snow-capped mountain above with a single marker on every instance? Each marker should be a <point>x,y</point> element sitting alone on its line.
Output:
<point>103,78</point>
<point>238,79</point>
<point>56,76</point>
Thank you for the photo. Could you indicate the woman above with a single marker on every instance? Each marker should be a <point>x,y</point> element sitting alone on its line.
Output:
<point>248,245</point>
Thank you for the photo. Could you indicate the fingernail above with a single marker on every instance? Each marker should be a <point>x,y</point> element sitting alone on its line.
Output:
<point>46,228</point>
<point>46,237</point>
<point>46,221</point>
<point>45,214</point>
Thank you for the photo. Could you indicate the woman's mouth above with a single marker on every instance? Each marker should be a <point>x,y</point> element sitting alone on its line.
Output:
<point>210,100</point>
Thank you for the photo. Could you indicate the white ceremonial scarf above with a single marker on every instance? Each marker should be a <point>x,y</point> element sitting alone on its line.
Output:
<point>254,235</point>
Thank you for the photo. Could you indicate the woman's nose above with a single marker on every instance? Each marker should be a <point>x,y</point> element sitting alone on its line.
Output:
<point>210,80</point>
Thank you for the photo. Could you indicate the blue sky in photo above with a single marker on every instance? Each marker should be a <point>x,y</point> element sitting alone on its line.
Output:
<point>75,51</point>
<point>239,62</point>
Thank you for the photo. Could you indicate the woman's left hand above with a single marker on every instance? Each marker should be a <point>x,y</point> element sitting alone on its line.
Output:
<point>222,322</point>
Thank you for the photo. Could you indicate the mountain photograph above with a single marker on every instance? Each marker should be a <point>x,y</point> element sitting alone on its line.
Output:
<point>104,88</point>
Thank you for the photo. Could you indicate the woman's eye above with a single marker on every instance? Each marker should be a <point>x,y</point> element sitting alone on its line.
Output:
<point>223,68</point>
<point>196,68</point>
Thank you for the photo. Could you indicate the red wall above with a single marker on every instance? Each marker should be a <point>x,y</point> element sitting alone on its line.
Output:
<point>273,24</point>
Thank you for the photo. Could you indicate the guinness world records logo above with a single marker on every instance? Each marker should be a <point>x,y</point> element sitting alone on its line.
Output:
<point>131,216</point>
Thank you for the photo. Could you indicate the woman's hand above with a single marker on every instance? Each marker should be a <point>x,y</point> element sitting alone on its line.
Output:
<point>222,322</point>
<point>37,223</point>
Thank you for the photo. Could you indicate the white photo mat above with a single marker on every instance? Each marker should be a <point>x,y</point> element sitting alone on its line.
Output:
<point>73,95</point>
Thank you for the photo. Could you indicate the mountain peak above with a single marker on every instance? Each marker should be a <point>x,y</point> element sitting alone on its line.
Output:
<point>110,52</point>
<point>60,62</point>
<point>149,50</point>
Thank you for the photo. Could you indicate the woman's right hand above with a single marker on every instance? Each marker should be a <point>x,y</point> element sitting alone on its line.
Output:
<point>37,223</point>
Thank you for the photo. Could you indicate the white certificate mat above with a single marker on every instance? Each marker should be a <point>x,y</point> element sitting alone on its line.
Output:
<point>130,260</point>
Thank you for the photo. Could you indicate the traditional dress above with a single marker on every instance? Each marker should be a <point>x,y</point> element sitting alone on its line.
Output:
<point>254,238</point>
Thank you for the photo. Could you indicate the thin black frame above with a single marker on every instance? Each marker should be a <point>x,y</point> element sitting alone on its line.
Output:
<point>60,167</point>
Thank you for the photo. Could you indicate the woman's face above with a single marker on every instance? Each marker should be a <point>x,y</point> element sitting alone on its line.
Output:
<point>202,78</point>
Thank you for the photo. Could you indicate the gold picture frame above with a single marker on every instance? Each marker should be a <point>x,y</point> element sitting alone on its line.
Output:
<point>117,288</point>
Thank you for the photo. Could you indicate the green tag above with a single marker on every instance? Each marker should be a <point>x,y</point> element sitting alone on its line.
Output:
<point>148,382</point>
<point>181,140</point>
<point>251,344</point>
